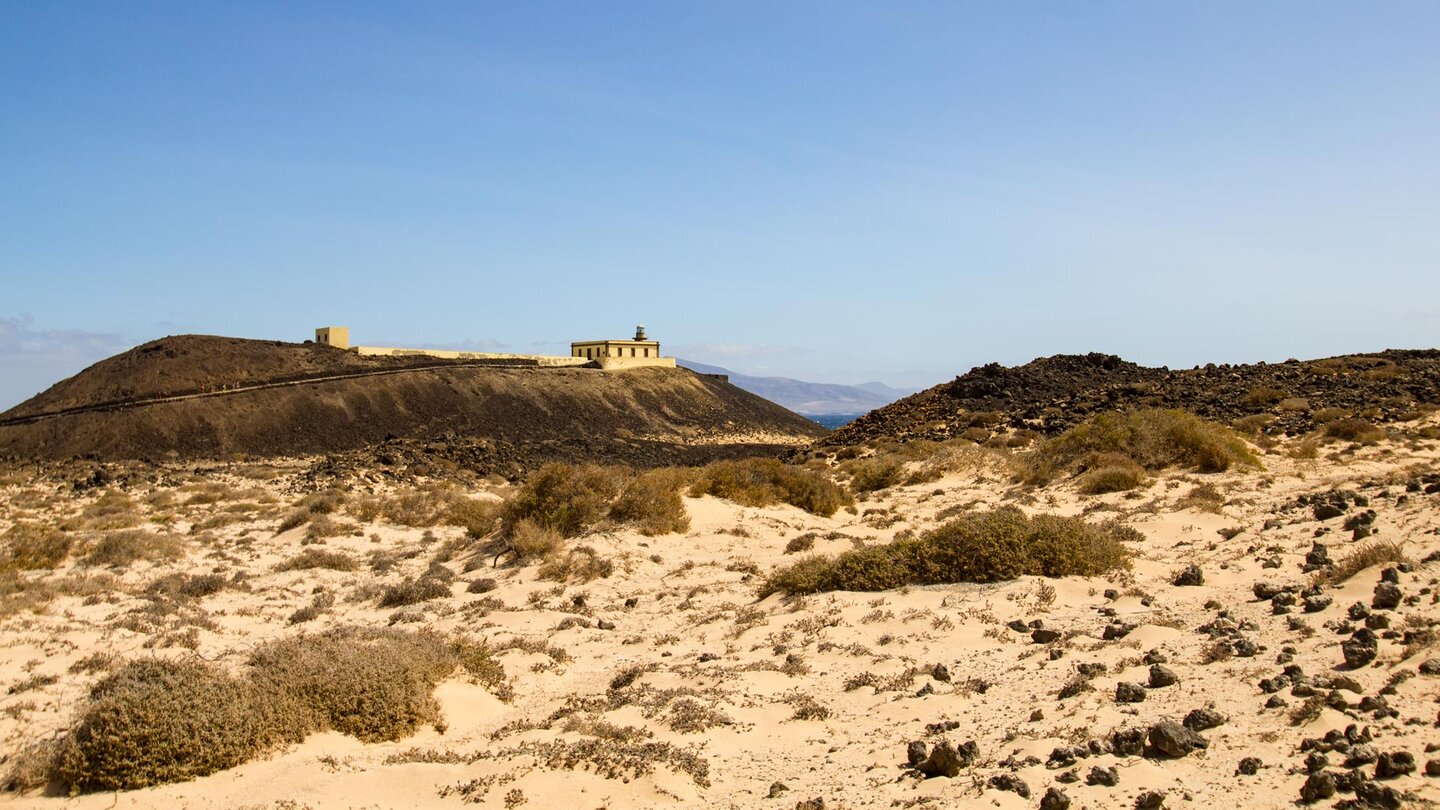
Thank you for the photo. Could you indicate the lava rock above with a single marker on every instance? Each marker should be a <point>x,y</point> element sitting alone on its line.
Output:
<point>1394,764</point>
<point>1150,800</point>
<point>1128,742</point>
<point>1249,766</point>
<point>1317,786</point>
<point>916,753</point>
<point>1126,692</point>
<point>1043,636</point>
<point>941,673</point>
<point>1430,666</point>
<point>1170,739</point>
<point>1162,676</point>
<point>1105,777</point>
<point>1203,719</point>
<point>1265,591</point>
<point>947,760</point>
<point>1361,649</point>
<point>1328,511</point>
<point>1054,799</point>
<point>1190,575</point>
<point>1358,611</point>
<point>1012,783</point>
<point>1315,604</point>
<point>1432,767</point>
<point>1387,596</point>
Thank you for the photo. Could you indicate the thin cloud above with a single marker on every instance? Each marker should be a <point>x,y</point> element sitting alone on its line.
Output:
<point>33,359</point>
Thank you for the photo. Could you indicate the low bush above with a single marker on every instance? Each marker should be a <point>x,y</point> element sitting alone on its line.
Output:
<point>1263,397</point>
<point>582,564</point>
<point>155,721</point>
<point>651,501</point>
<point>1153,438</point>
<point>478,518</point>
<point>318,558</point>
<point>767,481</point>
<point>530,541</point>
<point>1378,552</point>
<point>121,548</point>
<point>981,547</point>
<point>412,591</point>
<point>874,473</point>
<point>30,546</point>
<point>564,498</point>
<point>1353,430</point>
<point>1111,472</point>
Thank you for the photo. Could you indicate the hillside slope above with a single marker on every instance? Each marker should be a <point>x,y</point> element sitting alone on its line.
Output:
<point>520,406</point>
<point>1050,394</point>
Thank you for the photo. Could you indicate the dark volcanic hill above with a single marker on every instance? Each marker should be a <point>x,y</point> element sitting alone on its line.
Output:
<point>1051,394</point>
<point>197,396</point>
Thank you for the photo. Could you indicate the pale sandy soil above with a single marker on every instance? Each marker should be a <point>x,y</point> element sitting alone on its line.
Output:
<point>705,642</point>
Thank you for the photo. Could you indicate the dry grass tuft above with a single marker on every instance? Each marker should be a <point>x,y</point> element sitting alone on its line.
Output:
<point>1377,552</point>
<point>30,546</point>
<point>318,558</point>
<point>119,549</point>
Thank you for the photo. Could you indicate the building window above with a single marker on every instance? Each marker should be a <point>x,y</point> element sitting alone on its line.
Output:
<point>632,351</point>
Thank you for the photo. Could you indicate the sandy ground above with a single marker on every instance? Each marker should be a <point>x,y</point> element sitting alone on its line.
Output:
<point>775,702</point>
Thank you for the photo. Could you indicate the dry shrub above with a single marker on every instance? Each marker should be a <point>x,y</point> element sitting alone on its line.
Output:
<point>1304,450</point>
<point>413,591</point>
<point>1354,430</point>
<point>1263,397</point>
<point>324,526</point>
<point>308,507</point>
<point>651,501</point>
<point>529,540</point>
<point>1325,415</point>
<point>478,518</point>
<point>1253,424</point>
<point>1111,472</point>
<point>155,721</point>
<point>1294,405</point>
<point>112,510</point>
<point>874,473</point>
<point>767,481</point>
<point>1204,497</point>
<point>318,558</point>
<point>1377,552</point>
<point>564,498</point>
<point>1153,438</point>
<point>121,548</point>
<point>582,564</point>
<point>981,547</point>
<point>183,586</point>
<point>30,546</point>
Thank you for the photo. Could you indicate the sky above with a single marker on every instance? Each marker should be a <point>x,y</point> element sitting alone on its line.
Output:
<point>834,191</point>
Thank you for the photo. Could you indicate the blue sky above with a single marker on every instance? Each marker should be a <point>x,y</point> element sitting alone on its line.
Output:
<point>834,191</point>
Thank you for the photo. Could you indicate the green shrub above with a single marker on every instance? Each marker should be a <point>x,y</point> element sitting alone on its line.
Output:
<point>1111,472</point>
<point>1153,438</point>
<point>767,481</point>
<point>564,498</point>
<point>651,501</point>
<point>28,546</point>
<point>981,547</point>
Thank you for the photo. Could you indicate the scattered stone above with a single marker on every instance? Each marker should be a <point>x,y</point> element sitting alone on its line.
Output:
<point>1249,766</point>
<point>1432,767</point>
<point>1203,719</point>
<point>1316,558</point>
<point>1317,786</point>
<point>1387,596</point>
<point>1162,676</point>
<point>945,759</point>
<point>1430,666</point>
<point>1369,794</point>
<point>1105,777</point>
<point>1190,575</point>
<point>776,788</point>
<point>1150,800</point>
<point>1358,611</point>
<point>604,624</point>
<point>941,673</point>
<point>1316,761</point>
<point>916,753</point>
<point>1394,764</point>
<point>1276,702</point>
<point>1128,742</point>
<point>1054,799</point>
<point>1328,511</point>
<point>1362,754</point>
<point>1377,621</point>
<point>1170,739</point>
<point>1126,692</point>
<point>1361,649</point>
<point>816,803</point>
<point>1036,716</point>
<point>1019,626</point>
<point>1043,636</point>
<point>1315,604</point>
<point>1116,630</point>
<point>1012,783</point>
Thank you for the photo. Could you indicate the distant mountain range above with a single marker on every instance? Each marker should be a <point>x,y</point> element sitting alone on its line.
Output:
<point>808,398</point>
